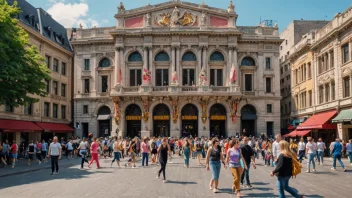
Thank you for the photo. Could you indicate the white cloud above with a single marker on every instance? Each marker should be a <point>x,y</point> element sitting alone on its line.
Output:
<point>72,14</point>
<point>105,21</point>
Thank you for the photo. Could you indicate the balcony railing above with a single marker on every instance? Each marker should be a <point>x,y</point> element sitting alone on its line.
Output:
<point>163,88</point>
<point>130,89</point>
<point>189,88</point>
<point>220,89</point>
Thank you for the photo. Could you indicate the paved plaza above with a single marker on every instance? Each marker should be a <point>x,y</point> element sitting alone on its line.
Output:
<point>182,182</point>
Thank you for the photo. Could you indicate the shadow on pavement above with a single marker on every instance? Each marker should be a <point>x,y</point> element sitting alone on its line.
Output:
<point>259,183</point>
<point>180,182</point>
<point>66,172</point>
<point>258,195</point>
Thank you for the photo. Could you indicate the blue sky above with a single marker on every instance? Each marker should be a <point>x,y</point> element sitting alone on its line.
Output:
<point>100,13</point>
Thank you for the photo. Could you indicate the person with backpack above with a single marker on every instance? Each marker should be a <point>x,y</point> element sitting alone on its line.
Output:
<point>31,152</point>
<point>198,150</point>
<point>38,154</point>
<point>14,152</point>
<point>286,167</point>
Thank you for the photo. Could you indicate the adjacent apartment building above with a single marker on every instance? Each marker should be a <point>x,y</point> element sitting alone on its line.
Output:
<point>291,36</point>
<point>52,114</point>
<point>321,83</point>
<point>177,69</point>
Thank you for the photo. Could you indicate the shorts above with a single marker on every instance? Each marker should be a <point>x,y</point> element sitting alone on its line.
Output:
<point>2,155</point>
<point>154,151</point>
<point>14,156</point>
<point>69,151</point>
<point>199,152</point>
<point>44,154</point>
<point>31,156</point>
<point>133,156</point>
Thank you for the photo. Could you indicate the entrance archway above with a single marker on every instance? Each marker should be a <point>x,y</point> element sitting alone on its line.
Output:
<point>217,121</point>
<point>161,120</point>
<point>133,120</point>
<point>248,120</point>
<point>104,120</point>
<point>189,117</point>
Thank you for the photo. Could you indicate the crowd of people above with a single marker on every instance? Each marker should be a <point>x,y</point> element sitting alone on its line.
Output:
<point>237,154</point>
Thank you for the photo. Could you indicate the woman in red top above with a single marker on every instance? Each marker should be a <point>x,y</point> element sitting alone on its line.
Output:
<point>94,152</point>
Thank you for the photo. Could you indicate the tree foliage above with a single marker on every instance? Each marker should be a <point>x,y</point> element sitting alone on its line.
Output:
<point>22,68</point>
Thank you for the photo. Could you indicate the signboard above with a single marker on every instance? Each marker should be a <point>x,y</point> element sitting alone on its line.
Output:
<point>133,117</point>
<point>189,117</point>
<point>166,117</point>
<point>218,117</point>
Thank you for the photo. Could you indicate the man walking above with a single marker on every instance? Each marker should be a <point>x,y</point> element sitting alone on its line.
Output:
<point>301,150</point>
<point>248,156</point>
<point>336,152</point>
<point>276,149</point>
<point>54,153</point>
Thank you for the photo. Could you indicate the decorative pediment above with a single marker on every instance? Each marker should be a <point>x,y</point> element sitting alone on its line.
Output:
<point>346,72</point>
<point>178,17</point>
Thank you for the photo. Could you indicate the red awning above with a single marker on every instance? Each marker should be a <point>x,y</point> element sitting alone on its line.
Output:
<point>19,126</point>
<point>303,132</point>
<point>290,127</point>
<point>319,121</point>
<point>55,127</point>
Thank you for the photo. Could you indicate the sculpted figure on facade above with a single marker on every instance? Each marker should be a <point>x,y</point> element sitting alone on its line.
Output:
<point>175,110</point>
<point>147,76</point>
<point>204,19</point>
<point>174,78</point>
<point>163,19</point>
<point>175,18</point>
<point>203,77</point>
<point>148,19</point>
<point>121,8</point>
<point>146,110</point>
<point>231,8</point>
<point>117,112</point>
<point>233,73</point>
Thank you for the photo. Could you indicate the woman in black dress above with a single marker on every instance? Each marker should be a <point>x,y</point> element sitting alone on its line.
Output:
<point>163,150</point>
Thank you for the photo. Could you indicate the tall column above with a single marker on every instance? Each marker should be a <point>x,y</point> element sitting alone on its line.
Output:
<point>205,64</point>
<point>173,56</point>
<point>117,67</point>
<point>235,61</point>
<point>178,69</point>
<point>151,66</point>
<point>329,62</point>
<point>145,57</point>
<point>122,66</point>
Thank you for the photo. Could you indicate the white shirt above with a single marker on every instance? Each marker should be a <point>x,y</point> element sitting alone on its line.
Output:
<point>83,145</point>
<point>312,147</point>
<point>320,146</point>
<point>301,146</point>
<point>69,146</point>
<point>55,149</point>
<point>276,149</point>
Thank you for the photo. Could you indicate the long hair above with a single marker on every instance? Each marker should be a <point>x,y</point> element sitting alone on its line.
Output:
<point>285,149</point>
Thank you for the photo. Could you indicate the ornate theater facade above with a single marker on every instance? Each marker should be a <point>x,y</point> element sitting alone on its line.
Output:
<point>177,69</point>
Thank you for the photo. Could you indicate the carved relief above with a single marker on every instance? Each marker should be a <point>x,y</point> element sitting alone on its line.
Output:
<point>217,40</point>
<point>346,72</point>
<point>134,40</point>
<point>189,39</point>
<point>176,18</point>
<point>162,40</point>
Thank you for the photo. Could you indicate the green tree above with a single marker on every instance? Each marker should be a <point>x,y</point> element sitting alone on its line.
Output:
<point>22,68</point>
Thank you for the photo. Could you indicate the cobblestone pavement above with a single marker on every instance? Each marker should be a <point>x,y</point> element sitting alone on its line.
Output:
<point>182,182</point>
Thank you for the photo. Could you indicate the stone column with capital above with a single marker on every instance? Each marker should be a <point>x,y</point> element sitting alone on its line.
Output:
<point>117,67</point>
<point>237,68</point>
<point>178,59</point>
<point>230,64</point>
<point>145,57</point>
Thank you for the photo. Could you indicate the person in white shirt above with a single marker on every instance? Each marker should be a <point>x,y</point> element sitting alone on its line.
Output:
<point>83,151</point>
<point>69,149</point>
<point>321,148</point>
<point>301,150</point>
<point>54,153</point>
<point>276,148</point>
<point>311,148</point>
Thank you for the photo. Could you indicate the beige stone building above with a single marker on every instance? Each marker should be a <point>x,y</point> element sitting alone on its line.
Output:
<point>177,69</point>
<point>52,114</point>
<point>292,36</point>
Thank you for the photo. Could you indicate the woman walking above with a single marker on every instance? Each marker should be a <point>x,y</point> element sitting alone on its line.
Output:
<point>233,158</point>
<point>186,152</point>
<point>311,147</point>
<point>213,160</point>
<point>94,152</point>
<point>117,148</point>
<point>163,150</point>
<point>145,151</point>
<point>83,147</point>
<point>321,151</point>
<point>283,170</point>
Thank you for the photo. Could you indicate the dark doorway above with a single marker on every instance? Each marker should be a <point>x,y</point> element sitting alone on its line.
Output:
<point>189,117</point>
<point>269,129</point>
<point>85,129</point>
<point>133,120</point>
<point>46,136</point>
<point>248,120</point>
<point>217,121</point>
<point>104,121</point>
<point>161,121</point>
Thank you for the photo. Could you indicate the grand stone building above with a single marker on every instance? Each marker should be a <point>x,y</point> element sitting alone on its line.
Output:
<point>174,69</point>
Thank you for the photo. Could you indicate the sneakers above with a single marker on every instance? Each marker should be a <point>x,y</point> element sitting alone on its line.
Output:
<point>248,186</point>
<point>314,170</point>
<point>307,171</point>
<point>333,169</point>
<point>164,180</point>
<point>56,173</point>
<point>344,170</point>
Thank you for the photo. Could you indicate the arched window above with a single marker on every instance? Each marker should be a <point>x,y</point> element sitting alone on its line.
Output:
<point>189,56</point>
<point>248,109</point>
<point>248,61</point>
<point>217,56</point>
<point>135,57</point>
<point>162,56</point>
<point>105,62</point>
<point>104,110</point>
<point>133,110</point>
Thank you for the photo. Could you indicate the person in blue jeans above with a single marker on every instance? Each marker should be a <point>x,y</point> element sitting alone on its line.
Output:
<point>336,153</point>
<point>349,150</point>
<point>248,156</point>
<point>186,152</point>
<point>311,148</point>
<point>283,170</point>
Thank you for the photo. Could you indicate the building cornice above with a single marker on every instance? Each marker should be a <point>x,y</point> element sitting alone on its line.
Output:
<point>92,41</point>
<point>44,39</point>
